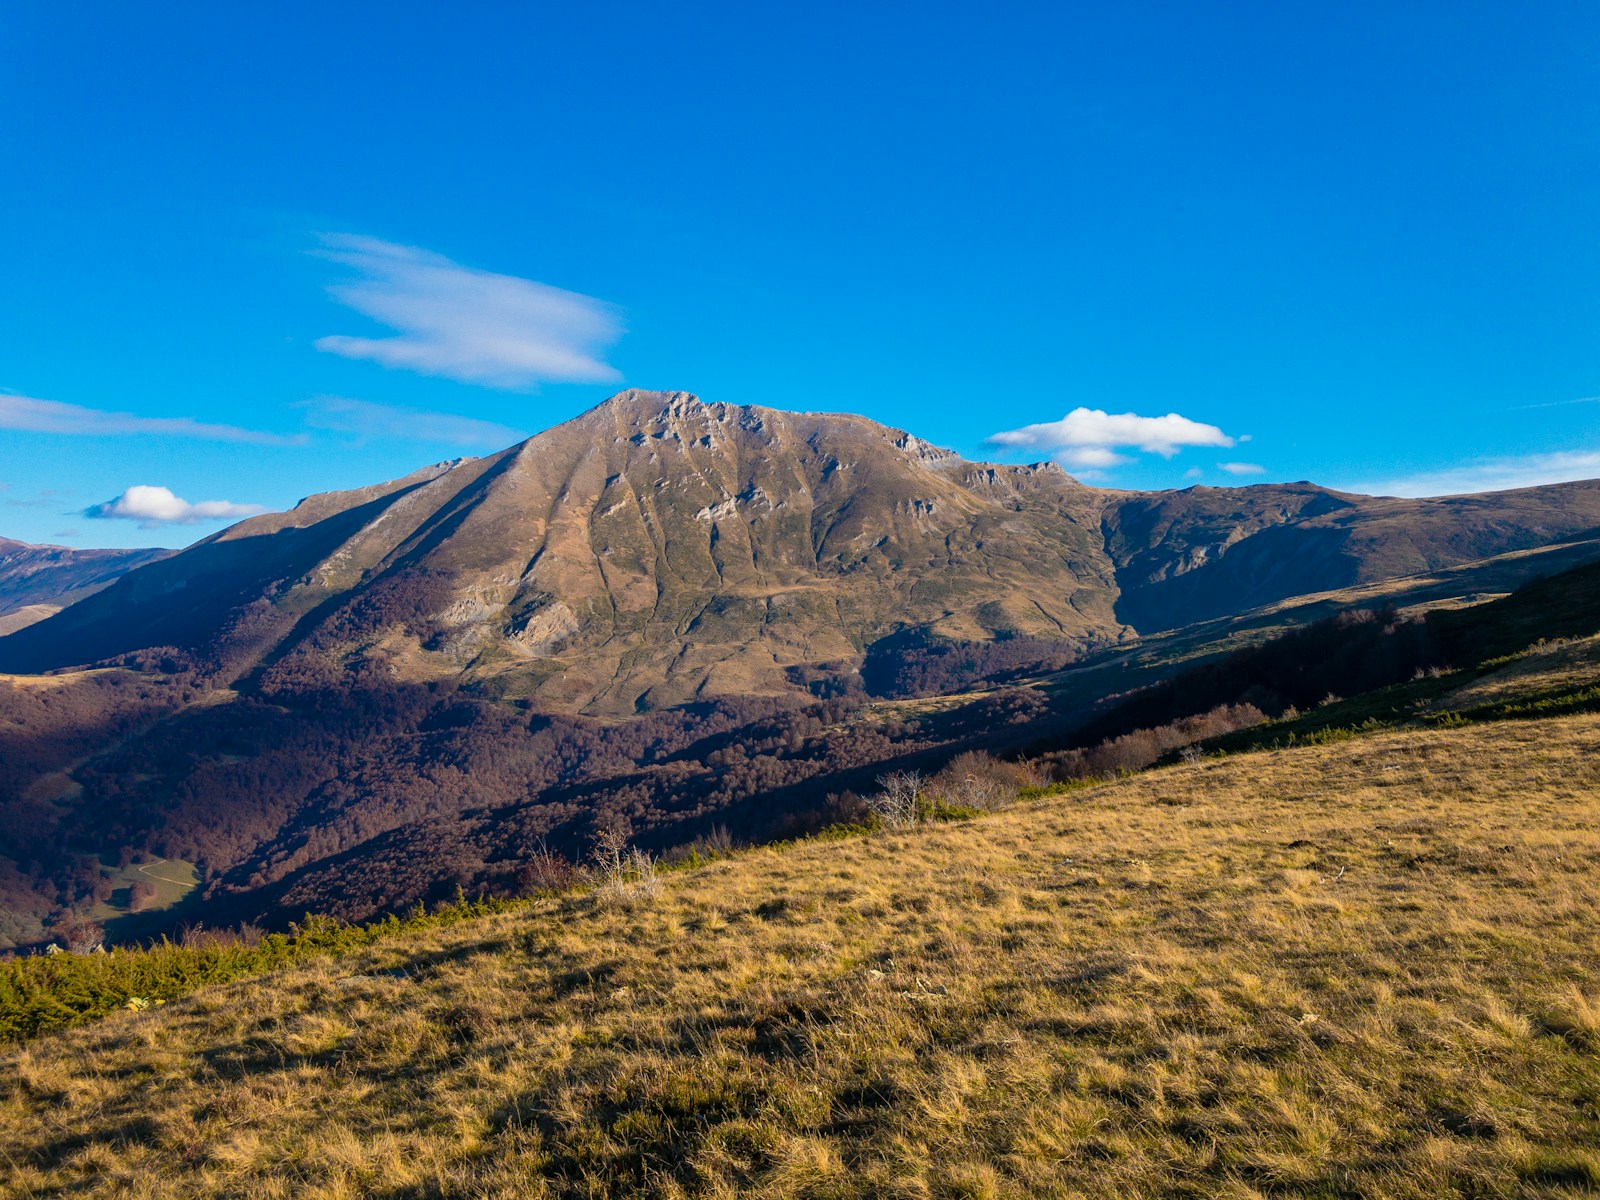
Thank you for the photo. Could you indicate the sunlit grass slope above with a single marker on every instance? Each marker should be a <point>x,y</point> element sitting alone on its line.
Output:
<point>1359,969</point>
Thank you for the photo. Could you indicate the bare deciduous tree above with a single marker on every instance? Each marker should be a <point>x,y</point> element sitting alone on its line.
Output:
<point>624,875</point>
<point>896,803</point>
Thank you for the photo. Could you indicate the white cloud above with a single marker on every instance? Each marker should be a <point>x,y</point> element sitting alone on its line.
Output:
<point>1242,468</point>
<point>1090,457</point>
<point>466,324</point>
<point>51,416</point>
<point>366,420</point>
<point>1490,475</point>
<point>1193,473</point>
<point>1091,436</point>
<point>156,506</point>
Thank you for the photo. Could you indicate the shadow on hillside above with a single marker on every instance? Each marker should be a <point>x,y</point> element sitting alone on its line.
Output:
<point>187,600</point>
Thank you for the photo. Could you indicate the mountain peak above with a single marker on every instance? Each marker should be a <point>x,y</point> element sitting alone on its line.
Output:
<point>640,405</point>
<point>646,400</point>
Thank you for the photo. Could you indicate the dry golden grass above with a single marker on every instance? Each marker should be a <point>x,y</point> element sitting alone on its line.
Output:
<point>1365,969</point>
<point>48,683</point>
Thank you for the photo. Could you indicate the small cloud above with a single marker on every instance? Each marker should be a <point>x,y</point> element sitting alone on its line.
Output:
<point>1490,475</point>
<point>1193,473</point>
<point>466,324</point>
<point>366,420</point>
<point>1241,468</point>
<point>67,533</point>
<point>1092,437</point>
<point>1247,437</point>
<point>156,506</point>
<point>51,416</point>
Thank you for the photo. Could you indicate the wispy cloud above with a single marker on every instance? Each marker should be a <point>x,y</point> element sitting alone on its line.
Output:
<point>1242,468</point>
<point>153,507</point>
<point>51,416</point>
<point>1556,403</point>
<point>1094,439</point>
<point>466,324</point>
<point>46,498</point>
<point>1489,475</point>
<point>366,421</point>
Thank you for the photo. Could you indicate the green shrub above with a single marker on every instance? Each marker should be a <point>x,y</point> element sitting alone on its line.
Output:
<point>46,991</point>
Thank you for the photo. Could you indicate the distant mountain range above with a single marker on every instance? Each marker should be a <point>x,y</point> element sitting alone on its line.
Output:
<point>39,581</point>
<point>658,550</point>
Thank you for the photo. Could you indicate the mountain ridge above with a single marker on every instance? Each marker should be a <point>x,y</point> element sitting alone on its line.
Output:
<point>37,581</point>
<point>659,549</point>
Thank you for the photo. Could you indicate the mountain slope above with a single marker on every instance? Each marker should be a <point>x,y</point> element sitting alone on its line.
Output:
<point>1189,556</point>
<point>658,550</point>
<point>38,581</point>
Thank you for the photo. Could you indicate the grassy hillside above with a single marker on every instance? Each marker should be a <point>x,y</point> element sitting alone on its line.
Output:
<point>1530,653</point>
<point>1366,969</point>
<point>145,887</point>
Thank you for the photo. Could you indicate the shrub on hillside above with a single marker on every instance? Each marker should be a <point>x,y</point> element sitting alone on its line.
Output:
<point>896,801</point>
<point>623,875</point>
<point>46,991</point>
<point>141,896</point>
<point>546,871</point>
<point>977,781</point>
<point>1139,749</point>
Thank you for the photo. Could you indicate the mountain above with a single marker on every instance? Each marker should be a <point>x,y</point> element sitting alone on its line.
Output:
<point>1191,555</point>
<point>679,620</point>
<point>652,551</point>
<point>38,581</point>
<point>658,550</point>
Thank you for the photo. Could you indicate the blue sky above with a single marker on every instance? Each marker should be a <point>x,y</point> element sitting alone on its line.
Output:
<point>249,254</point>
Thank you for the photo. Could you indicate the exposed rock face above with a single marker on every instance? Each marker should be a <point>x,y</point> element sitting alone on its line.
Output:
<point>658,548</point>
